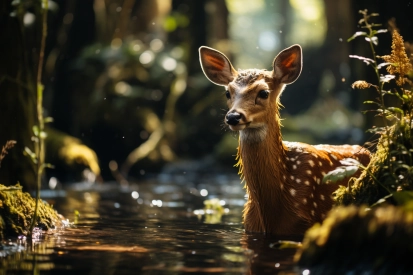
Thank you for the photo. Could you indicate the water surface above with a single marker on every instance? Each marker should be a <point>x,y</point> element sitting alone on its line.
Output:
<point>151,227</point>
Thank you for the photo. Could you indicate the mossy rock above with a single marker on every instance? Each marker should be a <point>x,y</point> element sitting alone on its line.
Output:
<point>16,212</point>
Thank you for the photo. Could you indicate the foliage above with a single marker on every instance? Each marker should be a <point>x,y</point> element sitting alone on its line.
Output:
<point>389,176</point>
<point>140,82</point>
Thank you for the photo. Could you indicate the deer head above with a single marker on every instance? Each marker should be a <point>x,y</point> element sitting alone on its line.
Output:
<point>252,95</point>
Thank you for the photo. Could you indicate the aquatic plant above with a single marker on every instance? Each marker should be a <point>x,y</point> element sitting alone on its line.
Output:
<point>389,176</point>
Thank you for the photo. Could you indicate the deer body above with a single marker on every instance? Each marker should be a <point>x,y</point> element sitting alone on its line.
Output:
<point>283,180</point>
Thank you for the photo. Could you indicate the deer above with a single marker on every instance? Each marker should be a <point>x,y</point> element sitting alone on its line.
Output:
<point>283,180</point>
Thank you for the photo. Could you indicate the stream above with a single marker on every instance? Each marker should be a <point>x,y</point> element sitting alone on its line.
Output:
<point>156,226</point>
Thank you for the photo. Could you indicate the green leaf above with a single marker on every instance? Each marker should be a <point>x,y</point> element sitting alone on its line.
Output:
<point>36,130</point>
<point>357,34</point>
<point>285,244</point>
<point>396,110</point>
<point>30,153</point>
<point>371,102</point>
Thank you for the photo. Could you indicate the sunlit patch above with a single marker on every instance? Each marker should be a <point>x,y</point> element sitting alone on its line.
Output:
<point>157,203</point>
<point>146,57</point>
<point>135,195</point>
<point>156,45</point>
<point>116,43</point>
<point>203,192</point>
<point>123,88</point>
<point>52,183</point>
<point>169,64</point>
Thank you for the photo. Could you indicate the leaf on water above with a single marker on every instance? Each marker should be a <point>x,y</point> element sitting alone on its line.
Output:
<point>285,244</point>
<point>366,60</point>
<point>356,35</point>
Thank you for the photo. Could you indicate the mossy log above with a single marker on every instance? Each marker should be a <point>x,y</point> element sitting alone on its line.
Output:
<point>16,212</point>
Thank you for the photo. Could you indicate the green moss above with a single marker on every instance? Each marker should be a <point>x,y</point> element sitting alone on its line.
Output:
<point>16,211</point>
<point>353,239</point>
<point>389,171</point>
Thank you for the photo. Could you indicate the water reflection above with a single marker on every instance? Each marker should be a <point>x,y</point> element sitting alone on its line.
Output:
<point>115,234</point>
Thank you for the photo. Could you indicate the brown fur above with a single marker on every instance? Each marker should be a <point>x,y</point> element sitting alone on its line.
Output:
<point>283,180</point>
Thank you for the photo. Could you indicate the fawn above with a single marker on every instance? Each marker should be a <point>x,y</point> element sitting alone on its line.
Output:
<point>283,180</point>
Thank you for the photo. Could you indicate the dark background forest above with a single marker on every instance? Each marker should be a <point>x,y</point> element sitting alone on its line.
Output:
<point>128,97</point>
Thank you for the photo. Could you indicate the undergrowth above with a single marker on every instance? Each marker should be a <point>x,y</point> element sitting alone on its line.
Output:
<point>389,176</point>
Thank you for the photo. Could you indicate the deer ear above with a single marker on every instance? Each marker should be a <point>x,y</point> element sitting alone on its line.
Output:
<point>287,65</point>
<point>216,66</point>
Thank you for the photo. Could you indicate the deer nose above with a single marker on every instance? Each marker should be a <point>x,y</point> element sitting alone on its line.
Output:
<point>233,118</point>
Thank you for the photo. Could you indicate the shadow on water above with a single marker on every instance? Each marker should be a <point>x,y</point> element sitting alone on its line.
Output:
<point>148,228</point>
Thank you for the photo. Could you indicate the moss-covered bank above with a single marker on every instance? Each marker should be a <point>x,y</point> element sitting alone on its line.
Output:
<point>16,212</point>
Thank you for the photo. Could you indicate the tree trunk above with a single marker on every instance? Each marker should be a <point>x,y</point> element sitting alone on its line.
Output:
<point>17,98</point>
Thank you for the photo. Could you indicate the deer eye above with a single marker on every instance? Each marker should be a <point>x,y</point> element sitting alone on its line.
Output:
<point>263,94</point>
<point>227,94</point>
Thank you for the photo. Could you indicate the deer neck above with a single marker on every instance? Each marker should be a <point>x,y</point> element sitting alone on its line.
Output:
<point>263,167</point>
